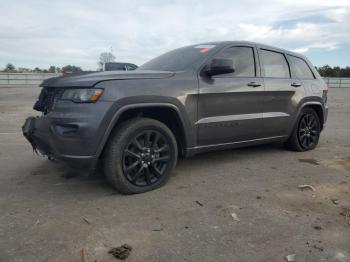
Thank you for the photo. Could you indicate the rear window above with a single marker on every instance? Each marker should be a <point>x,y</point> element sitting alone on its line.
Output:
<point>274,64</point>
<point>300,69</point>
<point>131,67</point>
<point>114,66</point>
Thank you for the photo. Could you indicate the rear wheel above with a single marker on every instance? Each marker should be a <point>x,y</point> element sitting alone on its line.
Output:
<point>140,156</point>
<point>306,133</point>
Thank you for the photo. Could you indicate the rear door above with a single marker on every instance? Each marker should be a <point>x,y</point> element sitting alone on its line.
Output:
<point>280,90</point>
<point>230,105</point>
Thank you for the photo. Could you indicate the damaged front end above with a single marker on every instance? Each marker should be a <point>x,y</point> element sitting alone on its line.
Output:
<point>47,98</point>
<point>65,130</point>
<point>45,103</point>
<point>28,130</point>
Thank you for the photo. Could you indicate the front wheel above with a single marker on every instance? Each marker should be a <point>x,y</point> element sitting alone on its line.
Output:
<point>140,156</point>
<point>306,132</point>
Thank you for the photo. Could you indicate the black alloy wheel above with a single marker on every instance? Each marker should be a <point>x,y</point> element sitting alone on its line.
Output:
<point>308,132</point>
<point>146,158</point>
<point>140,156</point>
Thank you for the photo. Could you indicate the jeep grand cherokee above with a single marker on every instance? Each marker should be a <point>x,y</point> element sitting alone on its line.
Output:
<point>193,99</point>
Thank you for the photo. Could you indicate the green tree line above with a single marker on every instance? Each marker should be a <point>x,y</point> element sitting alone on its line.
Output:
<point>327,71</point>
<point>68,69</point>
<point>10,68</point>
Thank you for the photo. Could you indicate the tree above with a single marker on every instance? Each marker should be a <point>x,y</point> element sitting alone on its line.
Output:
<point>71,69</point>
<point>10,68</point>
<point>37,70</point>
<point>327,71</point>
<point>106,57</point>
<point>52,69</point>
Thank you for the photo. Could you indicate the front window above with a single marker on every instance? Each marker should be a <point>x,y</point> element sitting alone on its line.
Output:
<point>179,59</point>
<point>242,58</point>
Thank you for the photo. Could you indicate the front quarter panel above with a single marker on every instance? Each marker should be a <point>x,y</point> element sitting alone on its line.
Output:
<point>179,92</point>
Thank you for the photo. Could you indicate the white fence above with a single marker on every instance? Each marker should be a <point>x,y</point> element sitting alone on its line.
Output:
<point>35,79</point>
<point>337,82</point>
<point>23,79</point>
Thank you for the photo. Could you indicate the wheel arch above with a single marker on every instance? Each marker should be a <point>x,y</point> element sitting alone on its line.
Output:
<point>163,112</point>
<point>315,105</point>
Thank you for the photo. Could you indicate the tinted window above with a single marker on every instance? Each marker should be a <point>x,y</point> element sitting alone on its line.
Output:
<point>274,64</point>
<point>243,60</point>
<point>114,66</point>
<point>131,67</point>
<point>300,68</point>
<point>179,59</point>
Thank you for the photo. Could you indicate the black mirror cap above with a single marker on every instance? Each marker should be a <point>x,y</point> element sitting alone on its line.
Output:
<point>219,66</point>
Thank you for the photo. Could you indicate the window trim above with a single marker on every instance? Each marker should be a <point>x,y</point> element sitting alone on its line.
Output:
<point>307,64</point>
<point>262,68</point>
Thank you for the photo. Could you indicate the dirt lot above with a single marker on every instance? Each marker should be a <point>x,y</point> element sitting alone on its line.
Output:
<point>48,214</point>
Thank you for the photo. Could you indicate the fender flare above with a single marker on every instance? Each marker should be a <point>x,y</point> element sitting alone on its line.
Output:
<point>303,105</point>
<point>307,103</point>
<point>124,108</point>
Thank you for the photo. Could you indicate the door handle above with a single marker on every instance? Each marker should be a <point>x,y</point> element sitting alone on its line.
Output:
<point>254,84</point>
<point>295,84</point>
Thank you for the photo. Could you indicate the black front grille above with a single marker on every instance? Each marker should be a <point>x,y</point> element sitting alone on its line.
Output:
<point>47,99</point>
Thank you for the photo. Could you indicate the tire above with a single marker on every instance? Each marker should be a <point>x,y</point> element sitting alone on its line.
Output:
<point>131,164</point>
<point>306,132</point>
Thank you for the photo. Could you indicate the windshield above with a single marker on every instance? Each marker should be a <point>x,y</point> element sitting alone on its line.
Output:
<point>178,59</point>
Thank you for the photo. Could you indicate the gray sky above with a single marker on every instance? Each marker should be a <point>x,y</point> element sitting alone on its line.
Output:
<point>43,33</point>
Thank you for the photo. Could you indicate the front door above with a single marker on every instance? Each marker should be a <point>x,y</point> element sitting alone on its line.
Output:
<point>230,105</point>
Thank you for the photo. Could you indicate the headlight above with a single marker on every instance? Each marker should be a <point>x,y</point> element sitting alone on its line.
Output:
<point>90,95</point>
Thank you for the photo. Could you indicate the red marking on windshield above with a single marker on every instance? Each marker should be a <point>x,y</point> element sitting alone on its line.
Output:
<point>204,50</point>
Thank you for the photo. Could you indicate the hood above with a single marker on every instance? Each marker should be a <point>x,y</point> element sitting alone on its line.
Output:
<point>89,80</point>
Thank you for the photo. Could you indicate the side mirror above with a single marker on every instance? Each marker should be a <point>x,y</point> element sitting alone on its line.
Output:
<point>219,66</point>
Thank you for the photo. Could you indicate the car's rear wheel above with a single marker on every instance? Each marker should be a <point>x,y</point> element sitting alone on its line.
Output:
<point>306,132</point>
<point>140,156</point>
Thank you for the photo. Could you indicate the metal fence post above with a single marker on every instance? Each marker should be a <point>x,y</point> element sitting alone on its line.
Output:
<point>339,82</point>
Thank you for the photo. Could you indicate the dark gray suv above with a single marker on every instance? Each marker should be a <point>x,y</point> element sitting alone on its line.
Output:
<point>203,97</point>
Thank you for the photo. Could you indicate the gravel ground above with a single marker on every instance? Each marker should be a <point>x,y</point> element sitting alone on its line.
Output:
<point>49,214</point>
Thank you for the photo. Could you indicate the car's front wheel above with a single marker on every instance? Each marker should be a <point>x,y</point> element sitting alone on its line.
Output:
<point>306,132</point>
<point>140,156</point>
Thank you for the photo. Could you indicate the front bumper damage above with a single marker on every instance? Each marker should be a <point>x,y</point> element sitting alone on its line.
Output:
<point>68,131</point>
<point>43,139</point>
<point>28,130</point>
